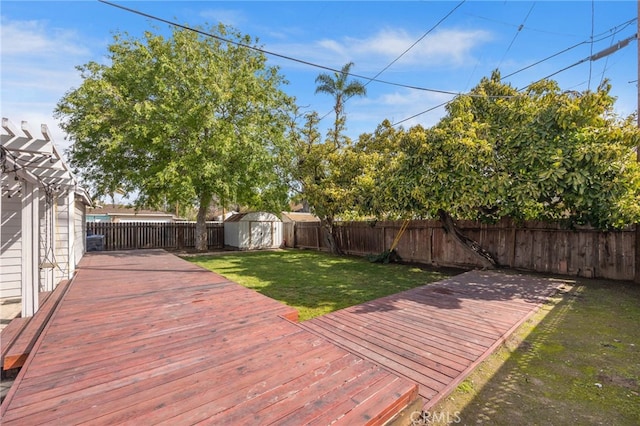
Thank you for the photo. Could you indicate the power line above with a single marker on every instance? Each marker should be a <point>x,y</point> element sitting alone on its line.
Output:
<point>593,22</point>
<point>420,39</point>
<point>267,52</point>
<point>420,113</point>
<point>611,32</point>
<point>406,50</point>
<point>520,27</point>
<point>594,57</point>
<point>621,44</point>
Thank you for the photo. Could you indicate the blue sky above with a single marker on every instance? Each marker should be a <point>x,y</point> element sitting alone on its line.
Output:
<point>42,42</point>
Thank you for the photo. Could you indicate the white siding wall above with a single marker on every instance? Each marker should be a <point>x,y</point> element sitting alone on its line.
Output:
<point>80,231</point>
<point>62,238</point>
<point>10,240</point>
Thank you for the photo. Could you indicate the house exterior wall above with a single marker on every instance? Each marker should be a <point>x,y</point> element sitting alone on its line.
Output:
<point>62,236</point>
<point>10,239</point>
<point>80,231</point>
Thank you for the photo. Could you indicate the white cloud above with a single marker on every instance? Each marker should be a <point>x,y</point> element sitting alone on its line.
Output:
<point>35,38</point>
<point>445,47</point>
<point>38,68</point>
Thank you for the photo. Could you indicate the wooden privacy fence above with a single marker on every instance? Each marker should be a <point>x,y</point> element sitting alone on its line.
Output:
<point>137,235</point>
<point>532,246</point>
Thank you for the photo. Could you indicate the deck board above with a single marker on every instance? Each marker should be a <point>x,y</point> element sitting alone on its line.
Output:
<point>145,337</point>
<point>436,334</point>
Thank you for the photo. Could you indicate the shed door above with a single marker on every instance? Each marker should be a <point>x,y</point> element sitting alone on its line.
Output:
<point>261,234</point>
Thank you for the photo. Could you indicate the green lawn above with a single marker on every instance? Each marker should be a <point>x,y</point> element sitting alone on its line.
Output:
<point>316,283</point>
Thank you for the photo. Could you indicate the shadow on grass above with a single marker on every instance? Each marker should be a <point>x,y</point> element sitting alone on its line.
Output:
<point>578,365</point>
<point>315,282</point>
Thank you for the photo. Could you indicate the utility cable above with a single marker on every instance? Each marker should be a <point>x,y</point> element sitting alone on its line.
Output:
<point>593,20</point>
<point>405,51</point>
<point>267,52</point>
<point>418,41</point>
<point>594,57</point>
<point>610,33</point>
<point>591,58</point>
<point>520,27</point>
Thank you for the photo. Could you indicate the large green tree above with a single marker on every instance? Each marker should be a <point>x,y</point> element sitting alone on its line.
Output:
<point>185,118</point>
<point>538,154</point>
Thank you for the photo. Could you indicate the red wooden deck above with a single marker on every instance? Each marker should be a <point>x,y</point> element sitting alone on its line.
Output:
<point>145,337</point>
<point>437,334</point>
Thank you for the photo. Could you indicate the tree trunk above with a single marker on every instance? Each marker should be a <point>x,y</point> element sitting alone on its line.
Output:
<point>330,235</point>
<point>472,246</point>
<point>201,223</point>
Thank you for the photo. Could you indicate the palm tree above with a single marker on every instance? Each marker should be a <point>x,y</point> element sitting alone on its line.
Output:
<point>338,86</point>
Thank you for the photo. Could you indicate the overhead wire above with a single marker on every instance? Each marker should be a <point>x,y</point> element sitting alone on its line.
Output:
<point>520,27</point>
<point>593,20</point>
<point>590,58</point>
<point>612,31</point>
<point>406,50</point>
<point>327,68</point>
<point>606,63</point>
<point>270,53</point>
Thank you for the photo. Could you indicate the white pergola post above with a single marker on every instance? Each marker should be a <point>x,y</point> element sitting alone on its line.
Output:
<point>30,248</point>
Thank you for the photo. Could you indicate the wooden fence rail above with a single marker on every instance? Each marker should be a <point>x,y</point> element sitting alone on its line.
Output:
<point>137,235</point>
<point>532,246</point>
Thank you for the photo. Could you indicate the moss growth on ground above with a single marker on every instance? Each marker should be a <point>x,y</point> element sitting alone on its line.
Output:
<point>577,361</point>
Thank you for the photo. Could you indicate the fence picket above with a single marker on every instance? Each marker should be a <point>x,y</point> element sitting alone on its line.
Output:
<point>138,235</point>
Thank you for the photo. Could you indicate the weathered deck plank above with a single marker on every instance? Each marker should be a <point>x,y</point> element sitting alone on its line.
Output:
<point>145,337</point>
<point>436,334</point>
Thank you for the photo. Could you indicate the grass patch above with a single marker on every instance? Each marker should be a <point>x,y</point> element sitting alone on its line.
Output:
<point>316,283</point>
<point>577,361</point>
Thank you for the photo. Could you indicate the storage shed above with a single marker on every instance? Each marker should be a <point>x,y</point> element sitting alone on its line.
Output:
<point>253,231</point>
<point>42,232</point>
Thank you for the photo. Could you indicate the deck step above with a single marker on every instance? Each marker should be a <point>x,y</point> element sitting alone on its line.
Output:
<point>18,340</point>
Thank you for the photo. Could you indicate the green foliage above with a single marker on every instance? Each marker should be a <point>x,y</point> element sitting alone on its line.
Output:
<point>341,88</point>
<point>325,172</point>
<point>181,119</point>
<point>542,154</point>
<point>316,283</point>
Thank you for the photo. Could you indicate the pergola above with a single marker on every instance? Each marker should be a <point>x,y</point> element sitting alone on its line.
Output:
<point>38,201</point>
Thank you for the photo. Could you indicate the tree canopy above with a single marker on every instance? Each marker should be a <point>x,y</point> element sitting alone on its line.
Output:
<point>539,154</point>
<point>185,118</point>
